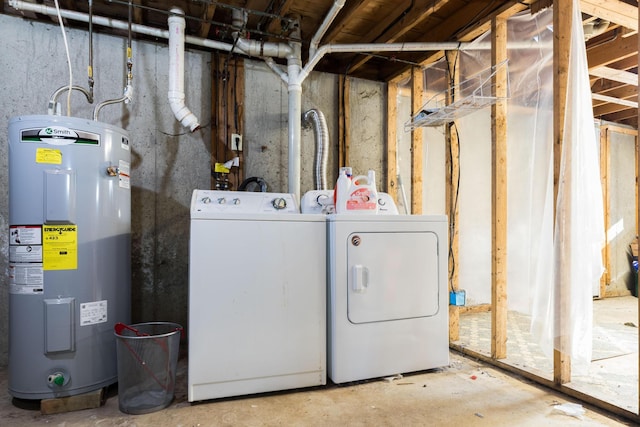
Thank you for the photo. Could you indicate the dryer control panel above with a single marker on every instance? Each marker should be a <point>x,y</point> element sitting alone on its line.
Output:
<point>204,202</point>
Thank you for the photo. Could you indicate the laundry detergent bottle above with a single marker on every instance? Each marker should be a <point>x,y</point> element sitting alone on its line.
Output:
<point>360,196</point>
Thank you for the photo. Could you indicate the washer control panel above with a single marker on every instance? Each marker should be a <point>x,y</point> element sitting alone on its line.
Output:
<point>241,202</point>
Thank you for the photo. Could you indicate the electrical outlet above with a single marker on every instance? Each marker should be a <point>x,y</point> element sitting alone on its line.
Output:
<point>236,142</point>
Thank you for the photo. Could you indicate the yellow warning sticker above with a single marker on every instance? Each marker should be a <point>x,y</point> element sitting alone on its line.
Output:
<point>49,155</point>
<point>60,250</point>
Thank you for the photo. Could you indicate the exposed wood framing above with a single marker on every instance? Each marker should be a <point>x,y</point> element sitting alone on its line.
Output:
<point>392,140</point>
<point>343,120</point>
<point>451,201</point>
<point>417,90</point>
<point>227,114</point>
<point>562,19</point>
<point>604,180</point>
<point>207,16</point>
<point>617,12</point>
<point>499,193</point>
<point>605,167</point>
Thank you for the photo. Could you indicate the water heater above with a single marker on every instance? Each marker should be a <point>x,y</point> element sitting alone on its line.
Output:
<point>69,253</point>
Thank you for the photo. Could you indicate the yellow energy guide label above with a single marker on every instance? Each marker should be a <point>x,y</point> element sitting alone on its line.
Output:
<point>60,247</point>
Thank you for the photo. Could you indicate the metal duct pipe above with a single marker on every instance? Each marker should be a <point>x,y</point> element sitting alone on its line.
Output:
<point>316,119</point>
<point>176,71</point>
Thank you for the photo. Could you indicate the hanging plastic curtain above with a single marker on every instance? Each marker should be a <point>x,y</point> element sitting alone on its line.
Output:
<point>564,312</point>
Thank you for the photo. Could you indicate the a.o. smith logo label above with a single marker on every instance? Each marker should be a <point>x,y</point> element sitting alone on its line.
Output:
<point>59,135</point>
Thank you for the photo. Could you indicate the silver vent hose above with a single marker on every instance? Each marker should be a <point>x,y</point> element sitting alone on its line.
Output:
<point>316,119</point>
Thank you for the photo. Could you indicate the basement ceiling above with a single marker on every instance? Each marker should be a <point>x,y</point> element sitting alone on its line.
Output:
<point>610,28</point>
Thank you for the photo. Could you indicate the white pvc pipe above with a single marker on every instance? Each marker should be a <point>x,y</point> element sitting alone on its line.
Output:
<point>114,23</point>
<point>255,47</point>
<point>294,67</point>
<point>176,71</point>
<point>328,20</point>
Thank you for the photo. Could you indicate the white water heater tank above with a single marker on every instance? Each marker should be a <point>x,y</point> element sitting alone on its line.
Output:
<point>69,253</point>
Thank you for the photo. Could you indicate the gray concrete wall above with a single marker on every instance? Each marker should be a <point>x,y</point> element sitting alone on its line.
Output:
<point>266,122</point>
<point>167,161</point>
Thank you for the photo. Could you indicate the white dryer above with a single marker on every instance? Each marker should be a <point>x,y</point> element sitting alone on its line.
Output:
<point>387,295</point>
<point>257,295</point>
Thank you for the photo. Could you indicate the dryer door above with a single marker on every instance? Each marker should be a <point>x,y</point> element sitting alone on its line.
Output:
<point>391,276</point>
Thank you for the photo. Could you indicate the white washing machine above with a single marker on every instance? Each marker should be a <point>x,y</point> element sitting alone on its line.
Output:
<point>387,295</point>
<point>257,295</point>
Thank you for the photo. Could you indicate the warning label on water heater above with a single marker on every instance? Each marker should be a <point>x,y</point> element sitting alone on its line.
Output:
<point>60,247</point>
<point>26,276</point>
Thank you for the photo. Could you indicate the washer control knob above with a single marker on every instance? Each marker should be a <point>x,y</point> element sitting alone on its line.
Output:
<point>206,200</point>
<point>222,201</point>
<point>279,203</point>
<point>236,201</point>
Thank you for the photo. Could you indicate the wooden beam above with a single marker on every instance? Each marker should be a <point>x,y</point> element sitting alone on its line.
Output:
<point>383,33</point>
<point>499,192</point>
<point>417,90</point>
<point>207,16</point>
<point>451,201</point>
<point>620,76</point>
<point>562,18</point>
<point>615,11</point>
<point>613,100</point>
<point>612,51</point>
<point>392,140</point>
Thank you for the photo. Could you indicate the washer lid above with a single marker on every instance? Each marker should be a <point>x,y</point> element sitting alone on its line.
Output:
<point>391,276</point>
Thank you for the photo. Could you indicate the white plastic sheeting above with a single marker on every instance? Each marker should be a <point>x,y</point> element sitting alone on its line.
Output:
<point>538,264</point>
<point>565,305</point>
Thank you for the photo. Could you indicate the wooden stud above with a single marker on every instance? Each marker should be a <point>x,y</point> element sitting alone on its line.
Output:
<point>562,23</point>
<point>417,90</point>
<point>499,192</point>
<point>451,202</point>
<point>392,141</point>
<point>343,120</point>
<point>604,181</point>
<point>227,91</point>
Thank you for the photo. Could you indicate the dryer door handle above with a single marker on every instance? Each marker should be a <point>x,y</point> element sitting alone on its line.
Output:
<point>359,278</point>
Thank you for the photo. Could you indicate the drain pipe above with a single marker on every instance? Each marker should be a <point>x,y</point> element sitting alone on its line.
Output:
<point>328,20</point>
<point>176,71</point>
<point>294,87</point>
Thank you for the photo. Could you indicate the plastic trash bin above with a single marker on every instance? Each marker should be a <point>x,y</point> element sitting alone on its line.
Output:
<point>147,359</point>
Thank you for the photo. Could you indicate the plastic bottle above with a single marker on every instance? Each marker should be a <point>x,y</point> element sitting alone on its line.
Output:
<point>360,197</point>
<point>341,191</point>
<point>345,184</point>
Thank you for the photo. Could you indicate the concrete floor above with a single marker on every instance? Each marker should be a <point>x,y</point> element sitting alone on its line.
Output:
<point>466,393</point>
<point>613,374</point>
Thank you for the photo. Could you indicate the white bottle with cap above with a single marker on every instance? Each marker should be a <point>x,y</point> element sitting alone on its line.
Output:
<point>360,197</point>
